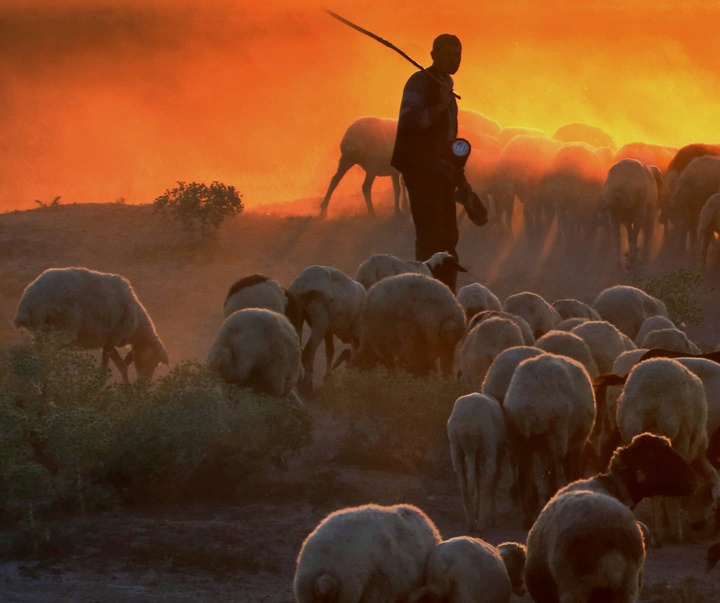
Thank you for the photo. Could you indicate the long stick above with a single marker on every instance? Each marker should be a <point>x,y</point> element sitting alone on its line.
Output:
<point>385,43</point>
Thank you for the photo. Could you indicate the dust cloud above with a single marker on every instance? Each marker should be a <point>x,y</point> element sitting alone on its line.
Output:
<point>113,100</point>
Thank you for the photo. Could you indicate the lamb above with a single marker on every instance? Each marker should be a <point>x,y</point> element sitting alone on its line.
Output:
<point>476,298</point>
<point>653,323</point>
<point>382,265</point>
<point>367,142</point>
<point>498,376</point>
<point>255,291</point>
<point>476,431</point>
<point>483,343</point>
<point>708,226</point>
<point>257,348</point>
<point>468,570</point>
<point>367,553</point>
<point>331,303</point>
<point>573,308</point>
<point>605,342</point>
<point>663,397</point>
<point>410,319</point>
<point>562,343</point>
<point>670,339</point>
<point>585,547</point>
<point>550,409</point>
<point>627,307</point>
<point>93,310</point>
<point>522,324</point>
<point>629,196</point>
<point>539,314</point>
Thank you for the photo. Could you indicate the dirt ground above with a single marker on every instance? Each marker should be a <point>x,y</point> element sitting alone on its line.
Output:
<point>245,551</point>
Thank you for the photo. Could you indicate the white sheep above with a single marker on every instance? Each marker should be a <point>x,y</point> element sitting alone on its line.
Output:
<point>476,431</point>
<point>382,265</point>
<point>539,314</point>
<point>670,339</point>
<point>550,409</point>
<point>604,340</point>
<point>94,310</point>
<point>468,570</point>
<point>652,323</point>
<point>498,376</point>
<point>663,397</point>
<point>367,142</point>
<point>708,226</point>
<point>255,291</point>
<point>367,553</point>
<point>570,323</point>
<point>567,344</point>
<point>482,345</point>
<point>574,308</point>
<point>522,324</point>
<point>585,547</point>
<point>412,320</point>
<point>476,298</point>
<point>331,303</point>
<point>584,133</point>
<point>257,348</point>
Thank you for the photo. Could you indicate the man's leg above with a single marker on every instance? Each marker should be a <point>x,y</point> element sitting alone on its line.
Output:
<point>425,195</point>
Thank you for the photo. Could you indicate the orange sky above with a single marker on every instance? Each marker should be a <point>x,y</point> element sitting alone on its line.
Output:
<point>107,99</point>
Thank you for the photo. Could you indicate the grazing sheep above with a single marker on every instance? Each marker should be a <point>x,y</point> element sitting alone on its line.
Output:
<point>476,298</point>
<point>585,547</point>
<point>476,431</point>
<point>567,344</point>
<point>410,319</point>
<point>573,308</point>
<point>468,570</point>
<point>382,265</point>
<point>663,397</point>
<point>367,553</point>
<point>255,291</point>
<point>259,349</point>
<point>630,196</point>
<point>498,376</point>
<point>539,314</point>
<point>627,307</point>
<point>708,226</point>
<point>653,323</point>
<point>550,409</point>
<point>528,337</point>
<point>605,342</point>
<point>331,303</point>
<point>94,310</point>
<point>368,142</point>
<point>583,133</point>
<point>670,339</point>
<point>482,345</point>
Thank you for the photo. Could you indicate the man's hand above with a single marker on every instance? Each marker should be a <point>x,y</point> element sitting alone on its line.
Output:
<point>446,95</point>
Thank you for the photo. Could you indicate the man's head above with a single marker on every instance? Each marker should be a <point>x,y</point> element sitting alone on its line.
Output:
<point>446,53</point>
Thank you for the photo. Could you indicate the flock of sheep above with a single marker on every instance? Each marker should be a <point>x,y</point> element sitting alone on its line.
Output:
<point>563,390</point>
<point>577,178</point>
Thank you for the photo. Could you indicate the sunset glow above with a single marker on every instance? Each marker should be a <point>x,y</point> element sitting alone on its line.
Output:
<point>120,99</point>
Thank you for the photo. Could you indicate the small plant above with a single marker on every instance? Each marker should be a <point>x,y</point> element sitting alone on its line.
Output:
<point>200,209</point>
<point>54,203</point>
<point>679,290</point>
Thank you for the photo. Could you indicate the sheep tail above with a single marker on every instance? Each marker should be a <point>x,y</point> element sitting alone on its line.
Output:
<point>326,587</point>
<point>610,570</point>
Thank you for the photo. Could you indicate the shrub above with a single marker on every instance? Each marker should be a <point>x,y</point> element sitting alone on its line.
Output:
<point>679,290</point>
<point>201,209</point>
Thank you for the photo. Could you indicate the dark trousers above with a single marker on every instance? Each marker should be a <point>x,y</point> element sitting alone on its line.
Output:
<point>433,210</point>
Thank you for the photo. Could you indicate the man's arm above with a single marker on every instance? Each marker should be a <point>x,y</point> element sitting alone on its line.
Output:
<point>414,112</point>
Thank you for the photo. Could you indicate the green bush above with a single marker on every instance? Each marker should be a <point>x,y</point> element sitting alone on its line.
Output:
<point>679,290</point>
<point>199,208</point>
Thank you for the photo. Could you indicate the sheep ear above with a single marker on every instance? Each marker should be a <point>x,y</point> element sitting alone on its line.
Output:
<point>461,269</point>
<point>164,357</point>
<point>129,358</point>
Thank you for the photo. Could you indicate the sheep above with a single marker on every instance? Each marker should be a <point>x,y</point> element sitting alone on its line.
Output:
<point>366,553</point>
<point>476,298</point>
<point>627,307</point>
<point>255,291</point>
<point>382,265</point>
<point>93,310</point>
<point>570,323</point>
<point>498,376</point>
<point>573,308</point>
<point>411,319</point>
<point>567,344</point>
<point>507,134</point>
<point>482,345</point>
<point>670,339</point>
<point>708,226</point>
<point>663,397</point>
<point>678,163</point>
<point>476,431</point>
<point>367,142</point>
<point>652,323</point>
<point>630,196</point>
<point>583,133</point>
<point>528,337</point>
<point>468,570</point>
<point>604,340</point>
<point>478,123</point>
<point>550,409</point>
<point>585,547</point>
<point>539,314</point>
<point>649,154</point>
<point>257,348</point>
<point>331,303</point>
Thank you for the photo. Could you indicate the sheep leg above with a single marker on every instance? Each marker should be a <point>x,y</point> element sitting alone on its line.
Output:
<point>395,177</point>
<point>497,474</point>
<point>329,352</point>
<point>110,353</point>
<point>366,190</point>
<point>672,507</point>
<point>457,454</point>
<point>319,328</point>
<point>703,466</point>
<point>657,524</point>
<point>485,496</point>
<point>343,166</point>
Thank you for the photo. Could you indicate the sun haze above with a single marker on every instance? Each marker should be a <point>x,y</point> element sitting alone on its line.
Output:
<point>121,99</point>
